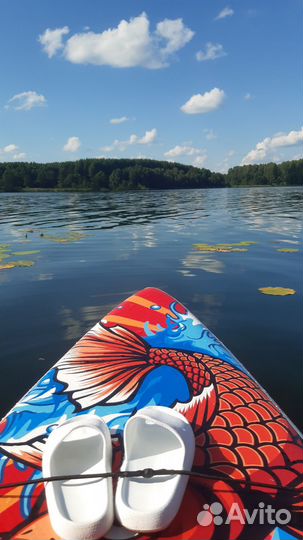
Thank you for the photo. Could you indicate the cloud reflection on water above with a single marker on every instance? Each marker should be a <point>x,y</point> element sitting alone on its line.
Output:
<point>198,261</point>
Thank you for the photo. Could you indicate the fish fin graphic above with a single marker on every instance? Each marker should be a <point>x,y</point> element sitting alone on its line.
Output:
<point>200,409</point>
<point>105,367</point>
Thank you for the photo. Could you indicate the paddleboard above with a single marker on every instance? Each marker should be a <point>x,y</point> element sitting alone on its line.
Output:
<point>150,350</point>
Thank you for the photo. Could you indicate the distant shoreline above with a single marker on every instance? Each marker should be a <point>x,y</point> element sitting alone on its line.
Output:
<point>121,175</point>
<point>74,190</point>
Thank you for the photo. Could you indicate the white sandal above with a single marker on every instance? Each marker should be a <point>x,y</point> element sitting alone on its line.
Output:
<point>156,438</point>
<point>80,508</point>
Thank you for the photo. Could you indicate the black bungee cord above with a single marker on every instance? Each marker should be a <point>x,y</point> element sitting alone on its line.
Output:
<point>149,473</point>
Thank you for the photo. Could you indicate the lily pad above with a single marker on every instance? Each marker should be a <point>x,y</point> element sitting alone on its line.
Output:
<point>6,266</point>
<point>69,239</point>
<point>23,253</point>
<point>4,247</point>
<point>287,250</point>
<point>220,248</point>
<point>277,291</point>
<point>21,264</point>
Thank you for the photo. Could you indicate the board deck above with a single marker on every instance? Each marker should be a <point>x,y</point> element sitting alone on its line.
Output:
<point>151,350</point>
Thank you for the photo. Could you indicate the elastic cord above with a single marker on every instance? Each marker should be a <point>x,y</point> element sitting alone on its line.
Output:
<point>150,473</point>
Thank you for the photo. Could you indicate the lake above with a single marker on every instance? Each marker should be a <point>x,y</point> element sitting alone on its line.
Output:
<point>95,249</point>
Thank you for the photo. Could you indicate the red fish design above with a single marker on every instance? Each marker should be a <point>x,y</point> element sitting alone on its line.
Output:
<point>241,433</point>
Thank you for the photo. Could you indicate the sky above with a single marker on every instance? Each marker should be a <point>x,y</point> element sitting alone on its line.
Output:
<point>211,83</point>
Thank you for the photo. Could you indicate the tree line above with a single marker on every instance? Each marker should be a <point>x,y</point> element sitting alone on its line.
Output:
<point>129,174</point>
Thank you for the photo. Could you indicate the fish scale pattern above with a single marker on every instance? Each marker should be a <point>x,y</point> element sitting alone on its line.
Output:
<point>248,438</point>
<point>189,364</point>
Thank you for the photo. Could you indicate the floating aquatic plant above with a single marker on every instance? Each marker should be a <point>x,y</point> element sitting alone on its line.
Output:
<point>277,291</point>
<point>287,250</point>
<point>72,237</point>
<point>18,264</point>
<point>221,248</point>
<point>6,266</point>
<point>23,253</point>
<point>4,249</point>
<point>23,264</point>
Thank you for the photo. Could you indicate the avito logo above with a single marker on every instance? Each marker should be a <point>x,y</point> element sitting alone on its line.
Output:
<point>263,514</point>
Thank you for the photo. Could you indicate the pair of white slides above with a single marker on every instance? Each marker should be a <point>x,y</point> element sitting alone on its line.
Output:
<point>84,509</point>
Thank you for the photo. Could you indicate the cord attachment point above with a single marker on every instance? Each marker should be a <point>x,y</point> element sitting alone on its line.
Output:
<point>148,473</point>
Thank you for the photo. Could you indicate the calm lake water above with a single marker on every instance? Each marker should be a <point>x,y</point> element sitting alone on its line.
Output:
<point>119,243</point>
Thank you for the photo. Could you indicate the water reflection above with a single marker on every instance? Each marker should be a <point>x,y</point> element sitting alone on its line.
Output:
<point>211,307</point>
<point>45,277</point>
<point>261,208</point>
<point>196,260</point>
<point>75,322</point>
<point>139,239</point>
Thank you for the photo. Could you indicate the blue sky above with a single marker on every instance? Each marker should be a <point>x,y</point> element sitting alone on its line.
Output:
<point>204,82</point>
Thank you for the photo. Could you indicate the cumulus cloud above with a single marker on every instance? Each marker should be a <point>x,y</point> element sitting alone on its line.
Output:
<point>226,12</point>
<point>129,44</point>
<point>72,145</point>
<point>20,156</point>
<point>179,151</point>
<point>226,162</point>
<point>175,33</point>
<point>11,152</point>
<point>212,51</point>
<point>121,120</point>
<point>182,151</point>
<point>52,40</point>
<point>204,103</point>
<point>25,101</point>
<point>10,148</point>
<point>269,145</point>
<point>148,138</point>
<point>199,161</point>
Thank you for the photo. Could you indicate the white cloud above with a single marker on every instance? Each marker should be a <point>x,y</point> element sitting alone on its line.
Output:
<point>199,154</point>
<point>129,44</point>
<point>72,145</point>
<point>176,34</point>
<point>11,152</point>
<point>210,134</point>
<point>212,51</point>
<point>268,146</point>
<point>148,138</point>
<point>248,97</point>
<point>10,148</point>
<point>52,40</point>
<point>26,101</point>
<point>204,103</point>
<point>199,161</point>
<point>226,12</point>
<point>121,120</point>
<point>19,157</point>
<point>226,162</point>
<point>182,151</point>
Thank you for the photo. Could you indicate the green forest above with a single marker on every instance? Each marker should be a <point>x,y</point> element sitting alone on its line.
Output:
<point>129,174</point>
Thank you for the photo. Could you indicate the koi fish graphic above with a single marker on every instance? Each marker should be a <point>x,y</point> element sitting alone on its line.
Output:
<point>240,433</point>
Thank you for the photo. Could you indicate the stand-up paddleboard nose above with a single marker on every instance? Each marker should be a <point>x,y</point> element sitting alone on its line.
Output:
<point>154,438</point>
<point>79,509</point>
